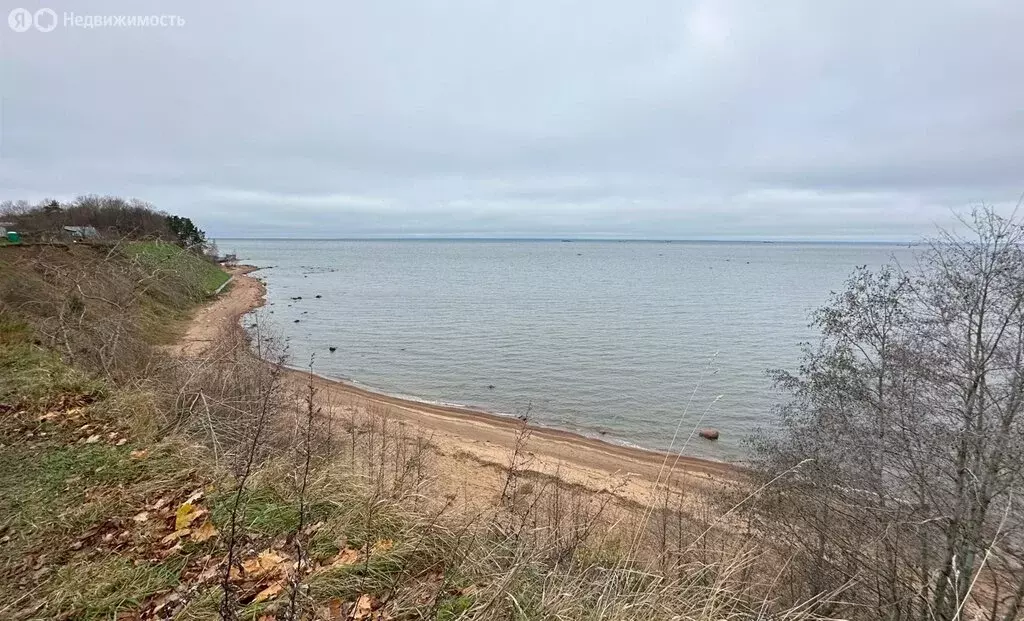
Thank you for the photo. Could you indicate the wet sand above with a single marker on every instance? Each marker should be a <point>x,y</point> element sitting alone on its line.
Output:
<point>472,447</point>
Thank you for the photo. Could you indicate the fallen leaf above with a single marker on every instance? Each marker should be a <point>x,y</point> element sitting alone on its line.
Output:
<point>271,591</point>
<point>93,439</point>
<point>164,600</point>
<point>139,454</point>
<point>270,560</point>
<point>182,518</point>
<point>204,532</point>
<point>178,534</point>
<point>266,562</point>
<point>141,516</point>
<point>211,572</point>
<point>171,550</point>
<point>186,514</point>
<point>382,546</point>
<point>271,557</point>
<point>121,442</point>
<point>363,608</point>
<point>251,567</point>
<point>334,610</point>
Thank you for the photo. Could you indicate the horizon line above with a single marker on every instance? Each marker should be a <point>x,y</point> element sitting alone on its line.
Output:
<point>570,239</point>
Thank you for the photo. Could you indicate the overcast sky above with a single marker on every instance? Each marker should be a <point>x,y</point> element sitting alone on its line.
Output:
<point>608,118</point>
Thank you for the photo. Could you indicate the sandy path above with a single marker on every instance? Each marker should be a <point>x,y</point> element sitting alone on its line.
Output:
<point>241,295</point>
<point>473,446</point>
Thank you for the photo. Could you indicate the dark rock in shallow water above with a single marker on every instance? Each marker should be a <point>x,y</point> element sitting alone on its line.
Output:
<point>332,349</point>
<point>318,296</point>
<point>296,321</point>
<point>491,386</point>
<point>709,434</point>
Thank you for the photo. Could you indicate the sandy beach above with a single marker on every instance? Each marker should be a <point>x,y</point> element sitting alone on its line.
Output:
<point>471,448</point>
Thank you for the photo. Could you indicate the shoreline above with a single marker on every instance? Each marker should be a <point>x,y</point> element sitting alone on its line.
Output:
<point>466,438</point>
<point>512,424</point>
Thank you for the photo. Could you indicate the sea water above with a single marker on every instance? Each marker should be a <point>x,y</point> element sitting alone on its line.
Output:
<point>640,343</point>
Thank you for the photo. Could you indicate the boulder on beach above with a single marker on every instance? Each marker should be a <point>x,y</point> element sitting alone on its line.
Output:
<point>709,434</point>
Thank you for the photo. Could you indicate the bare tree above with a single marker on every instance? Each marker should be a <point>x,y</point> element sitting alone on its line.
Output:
<point>907,416</point>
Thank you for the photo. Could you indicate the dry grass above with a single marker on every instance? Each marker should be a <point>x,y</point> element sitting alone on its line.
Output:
<point>103,307</point>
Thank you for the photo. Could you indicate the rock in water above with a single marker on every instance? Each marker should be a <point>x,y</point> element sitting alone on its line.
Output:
<point>709,434</point>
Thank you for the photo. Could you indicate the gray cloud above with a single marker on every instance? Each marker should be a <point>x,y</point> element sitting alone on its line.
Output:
<point>656,118</point>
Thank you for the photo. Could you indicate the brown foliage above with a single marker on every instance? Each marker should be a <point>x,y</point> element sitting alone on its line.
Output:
<point>113,217</point>
<point>96,307</point>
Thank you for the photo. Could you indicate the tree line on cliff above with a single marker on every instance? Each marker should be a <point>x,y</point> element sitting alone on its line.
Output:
<point>112,217</point>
